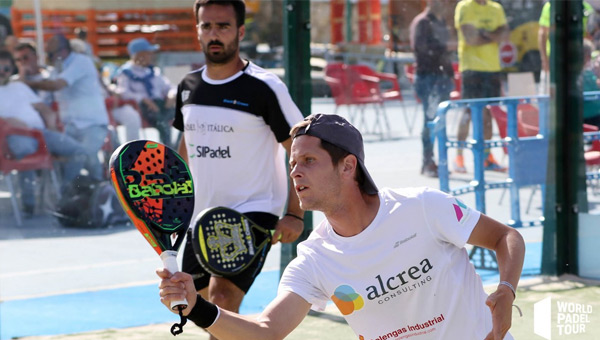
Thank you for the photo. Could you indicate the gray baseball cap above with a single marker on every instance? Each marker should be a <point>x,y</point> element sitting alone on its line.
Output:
<point>339,132</point>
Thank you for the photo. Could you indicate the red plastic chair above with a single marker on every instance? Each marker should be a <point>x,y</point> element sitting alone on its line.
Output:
<point>592,154</point>
<point>527,126</point>
<point>335,77</point>
<point>39,160</point>
<point>592,160</point>
<point>389,92</point>
<point>527,120</point>
<point>350,87</point>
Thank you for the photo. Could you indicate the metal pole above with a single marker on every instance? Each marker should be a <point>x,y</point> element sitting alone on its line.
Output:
<point>296,42</point>
<point>39,32</point>
<point>565,192</point>
<point>348,21</point>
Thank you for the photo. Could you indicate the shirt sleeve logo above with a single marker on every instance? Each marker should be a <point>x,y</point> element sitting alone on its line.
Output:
<point>461,210</point>
<point>185,94</point>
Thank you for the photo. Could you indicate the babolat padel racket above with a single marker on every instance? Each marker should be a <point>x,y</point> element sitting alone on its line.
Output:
<point>155,188</point>
<point>226,242</point>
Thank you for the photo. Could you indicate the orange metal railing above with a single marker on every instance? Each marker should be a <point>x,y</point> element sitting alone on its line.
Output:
<point>109,31</point>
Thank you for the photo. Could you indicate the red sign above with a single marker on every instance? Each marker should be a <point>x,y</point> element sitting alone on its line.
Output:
<point>508,54</point>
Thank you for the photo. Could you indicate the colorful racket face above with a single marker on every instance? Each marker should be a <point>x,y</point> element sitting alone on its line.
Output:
<point>155,188</point>
<point>225,243</point>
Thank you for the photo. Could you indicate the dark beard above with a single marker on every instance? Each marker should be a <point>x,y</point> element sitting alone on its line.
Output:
<point>223,57</point>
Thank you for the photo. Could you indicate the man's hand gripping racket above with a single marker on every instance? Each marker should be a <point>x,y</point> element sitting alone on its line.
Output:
<point>226,242</point>
<point>155,188</point>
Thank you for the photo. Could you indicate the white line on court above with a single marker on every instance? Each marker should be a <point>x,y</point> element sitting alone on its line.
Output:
<point>86,290</point>
<point>76,268</point>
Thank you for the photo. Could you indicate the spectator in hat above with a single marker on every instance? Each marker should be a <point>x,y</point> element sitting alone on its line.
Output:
<point>140,80</point>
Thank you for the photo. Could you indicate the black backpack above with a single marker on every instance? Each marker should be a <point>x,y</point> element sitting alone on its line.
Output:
<point>88,203</point>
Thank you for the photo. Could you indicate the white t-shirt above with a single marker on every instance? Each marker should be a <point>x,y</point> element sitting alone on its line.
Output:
<point>81,103</point>
<point>406,275</point>
<point>233,130</point>
<point>15,102</point>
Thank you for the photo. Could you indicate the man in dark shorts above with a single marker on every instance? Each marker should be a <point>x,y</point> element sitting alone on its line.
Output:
<point>235,119</point>
<point>481,26</point>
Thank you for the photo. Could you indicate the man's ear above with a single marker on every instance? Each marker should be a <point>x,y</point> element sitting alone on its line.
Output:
<point>242,32</point>
<point>348,166</point>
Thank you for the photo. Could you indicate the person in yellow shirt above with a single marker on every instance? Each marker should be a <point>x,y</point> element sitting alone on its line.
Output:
<point>544,40</point>
<point>481,26</point>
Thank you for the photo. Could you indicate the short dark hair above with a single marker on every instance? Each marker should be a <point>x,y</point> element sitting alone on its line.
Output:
<point>238,6</point>
<point>25,46</point>
<point>335,152</point>
<point>63,42</point>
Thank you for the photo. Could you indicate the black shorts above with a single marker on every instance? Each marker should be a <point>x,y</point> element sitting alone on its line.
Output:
<point>477,84</point>
<point>243,280</point>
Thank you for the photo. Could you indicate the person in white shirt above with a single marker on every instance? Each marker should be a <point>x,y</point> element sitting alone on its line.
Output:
<point>21,107</point>
<point>392,260</point>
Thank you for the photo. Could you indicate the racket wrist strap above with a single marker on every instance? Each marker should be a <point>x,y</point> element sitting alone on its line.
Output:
<point>204,314</point>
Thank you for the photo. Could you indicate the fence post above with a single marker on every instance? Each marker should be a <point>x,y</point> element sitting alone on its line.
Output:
<point>296,39</point>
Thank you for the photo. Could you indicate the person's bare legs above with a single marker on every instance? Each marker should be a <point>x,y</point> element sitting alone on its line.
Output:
<point>489,161</point>
<point>487,123</point>
<point>462,133</point>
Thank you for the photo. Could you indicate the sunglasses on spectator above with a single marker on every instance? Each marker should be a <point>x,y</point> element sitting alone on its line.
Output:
<point>23,58</point>
<point>6,68</point>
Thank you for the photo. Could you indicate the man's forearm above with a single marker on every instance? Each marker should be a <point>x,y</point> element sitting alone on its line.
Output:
<point>232,326</point>
<point>474,36</point>
<point>500,34</point>
<point>279,318</point>
<point>542,41</point>
<point>510,253</point>
<point>46,84</point>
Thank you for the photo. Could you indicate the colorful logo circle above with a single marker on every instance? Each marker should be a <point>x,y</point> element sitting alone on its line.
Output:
<point>347,299</point>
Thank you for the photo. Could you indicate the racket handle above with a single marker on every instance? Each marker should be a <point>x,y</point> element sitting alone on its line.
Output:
<point>169,259</point>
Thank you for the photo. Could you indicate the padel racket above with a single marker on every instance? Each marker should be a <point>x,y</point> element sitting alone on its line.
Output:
<point>226,242</point>
<point>154,186</point>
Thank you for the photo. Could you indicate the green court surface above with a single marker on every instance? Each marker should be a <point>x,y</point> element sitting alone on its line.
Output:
<point>574,306</point>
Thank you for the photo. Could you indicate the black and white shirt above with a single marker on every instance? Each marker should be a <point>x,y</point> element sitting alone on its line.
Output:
<point>232,129</point>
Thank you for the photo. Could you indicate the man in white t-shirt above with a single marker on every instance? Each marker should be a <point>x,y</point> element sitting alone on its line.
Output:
<point>21,107</point>
<point>76,85</point>
<point>393,261</point>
